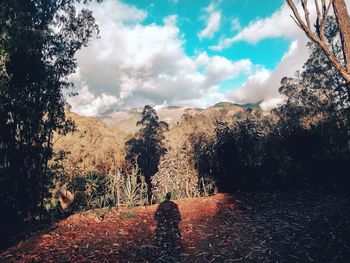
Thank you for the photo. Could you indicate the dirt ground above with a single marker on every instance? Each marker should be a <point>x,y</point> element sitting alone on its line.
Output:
<point>259,227</point>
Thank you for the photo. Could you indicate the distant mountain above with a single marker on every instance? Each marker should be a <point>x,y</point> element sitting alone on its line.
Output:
<point>126,120</point>
<point>117,125</point>
<point>101,140</point>
<point>252,106</point>
<point>226,109</point>
<point>223,105</point>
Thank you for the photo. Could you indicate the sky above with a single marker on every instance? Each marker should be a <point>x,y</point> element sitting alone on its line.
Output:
<point>187,53</point>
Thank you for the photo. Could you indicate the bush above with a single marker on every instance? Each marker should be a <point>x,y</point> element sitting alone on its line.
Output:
<point>175,175</point>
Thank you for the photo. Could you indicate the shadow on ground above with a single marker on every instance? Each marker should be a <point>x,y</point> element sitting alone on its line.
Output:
<point>259,227</point>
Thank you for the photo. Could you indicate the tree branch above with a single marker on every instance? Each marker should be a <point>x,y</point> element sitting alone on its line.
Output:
<point>321,39</point>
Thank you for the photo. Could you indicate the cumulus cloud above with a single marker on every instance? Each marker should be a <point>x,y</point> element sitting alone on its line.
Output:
<point>213,21</point>
<point>249,92</point>
<point>220,68</point>
<point>278,24</point>
<point>161,106</point>
<point>133,64</point>
<point>89,104</point>
<point>262,85</point>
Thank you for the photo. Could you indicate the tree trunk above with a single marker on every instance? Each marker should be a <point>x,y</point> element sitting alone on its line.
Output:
<point>343,20</point>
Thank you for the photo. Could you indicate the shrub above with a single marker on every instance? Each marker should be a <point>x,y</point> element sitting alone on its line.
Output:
<point>175,175</point>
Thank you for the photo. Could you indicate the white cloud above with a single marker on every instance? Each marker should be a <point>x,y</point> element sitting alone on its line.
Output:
<point>134,64</point>
<point>279,24</point>
<point>220,68</point>
<point>263,85</point>
<point>160,106</point>
<point>213,22</point>
<point>252,90</point>
<point>116,12</point>
<point>270,103</point>
<point>89,104</point>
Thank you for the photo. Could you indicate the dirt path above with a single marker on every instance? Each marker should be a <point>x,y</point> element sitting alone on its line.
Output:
<point>261,227</point>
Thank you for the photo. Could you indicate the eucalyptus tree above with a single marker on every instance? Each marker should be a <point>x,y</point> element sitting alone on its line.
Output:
<point>146,149</point>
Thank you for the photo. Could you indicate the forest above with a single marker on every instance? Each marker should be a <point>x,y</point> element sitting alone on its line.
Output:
<point>57,166</point>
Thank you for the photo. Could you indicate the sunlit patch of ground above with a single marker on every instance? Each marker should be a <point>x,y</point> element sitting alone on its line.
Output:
<point>259,227</point>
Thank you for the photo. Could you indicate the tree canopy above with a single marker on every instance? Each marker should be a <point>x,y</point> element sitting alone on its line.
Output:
<point>146,149</point>
<point>38,41</point>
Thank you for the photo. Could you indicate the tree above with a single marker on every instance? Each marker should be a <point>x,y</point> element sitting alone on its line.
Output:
<point>39,39</point>
<point>330,83</point>
<point>318,35</point>
<point>238,151</point>
<point>146,148</point>
<point>309,141</point>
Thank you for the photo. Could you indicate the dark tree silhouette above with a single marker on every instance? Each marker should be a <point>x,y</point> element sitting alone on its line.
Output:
<point>38,41</point>
<point>303,143</point>
<point>146,148</point>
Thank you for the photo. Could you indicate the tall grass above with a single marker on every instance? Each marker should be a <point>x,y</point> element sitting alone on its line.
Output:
<point>120,189</point>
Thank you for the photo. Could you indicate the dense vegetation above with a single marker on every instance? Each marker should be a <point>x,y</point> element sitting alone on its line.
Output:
<point>38,43</point>
<point>303,143</point>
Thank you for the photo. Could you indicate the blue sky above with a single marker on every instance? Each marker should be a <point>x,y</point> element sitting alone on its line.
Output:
<point>187,53</point>
<point>191,15</point>
<point>191,19</point>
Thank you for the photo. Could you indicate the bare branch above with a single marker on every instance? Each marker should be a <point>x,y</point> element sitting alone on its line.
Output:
<point>320,38</point>
<point>296,22</point>
<point>306,12</point>
<point>297,15</point>
<point>318,10</point>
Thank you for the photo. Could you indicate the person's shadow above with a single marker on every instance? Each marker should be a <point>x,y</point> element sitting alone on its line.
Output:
<point>168,238</point>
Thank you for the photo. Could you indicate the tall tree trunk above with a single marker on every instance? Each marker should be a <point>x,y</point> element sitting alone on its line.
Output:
<point>343,20</point>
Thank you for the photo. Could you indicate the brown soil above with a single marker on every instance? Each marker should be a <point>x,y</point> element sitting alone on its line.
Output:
<point>260,227</point>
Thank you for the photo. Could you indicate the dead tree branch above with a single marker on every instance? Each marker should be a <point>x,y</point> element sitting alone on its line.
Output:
<point>317,35</point>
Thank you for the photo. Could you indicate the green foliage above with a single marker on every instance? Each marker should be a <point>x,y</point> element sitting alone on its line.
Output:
<point>147,148</point>
<point>38,40</point>
<point>95,191</point>
<point>301,144</point>
<point>132,192</point>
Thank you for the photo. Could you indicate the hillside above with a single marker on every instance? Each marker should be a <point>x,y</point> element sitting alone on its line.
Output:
<point>98,143</point>
<point>92,144</point>
<point>260,227</point>
<point>126,120</point>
